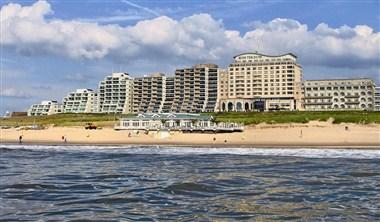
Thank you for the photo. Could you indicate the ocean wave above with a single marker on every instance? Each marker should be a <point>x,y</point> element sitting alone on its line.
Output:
<point>164,150</point>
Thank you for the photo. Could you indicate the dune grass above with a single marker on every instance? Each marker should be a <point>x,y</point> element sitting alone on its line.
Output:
<point>361,117</point>
<point>108,120</point>
<point>64,119</point>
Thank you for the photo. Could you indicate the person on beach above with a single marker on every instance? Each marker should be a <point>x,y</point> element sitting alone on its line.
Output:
<point>20,139</point>
<point>301,134</point>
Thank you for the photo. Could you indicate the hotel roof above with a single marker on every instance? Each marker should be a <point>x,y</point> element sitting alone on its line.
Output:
<point>256,53</point>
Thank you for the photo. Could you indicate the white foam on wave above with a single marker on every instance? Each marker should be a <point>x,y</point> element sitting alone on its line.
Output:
<point>133,149</point>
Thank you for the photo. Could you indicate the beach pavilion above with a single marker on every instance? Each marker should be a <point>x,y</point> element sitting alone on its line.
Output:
<point>176,122</point>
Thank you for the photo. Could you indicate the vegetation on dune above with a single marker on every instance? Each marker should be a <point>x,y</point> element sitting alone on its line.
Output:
<point>108,120</point>
<point>362,117</point>
<point>64,119</point>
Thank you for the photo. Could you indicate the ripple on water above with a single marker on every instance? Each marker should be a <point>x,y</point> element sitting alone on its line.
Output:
<point>188,184</point>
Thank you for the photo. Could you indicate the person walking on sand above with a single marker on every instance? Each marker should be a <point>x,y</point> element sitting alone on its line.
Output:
<point>301,134</point>
<point>20,139</point>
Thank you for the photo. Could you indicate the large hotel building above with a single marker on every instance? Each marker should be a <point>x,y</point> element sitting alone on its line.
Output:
<point>261,82</point>
<point>339,94</point>
<point>377,99</point>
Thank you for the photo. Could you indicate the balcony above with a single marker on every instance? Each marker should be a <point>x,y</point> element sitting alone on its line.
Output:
<point>318,97</point>
<point>319,103</point>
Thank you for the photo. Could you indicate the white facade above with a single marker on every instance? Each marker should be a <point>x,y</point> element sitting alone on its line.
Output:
<point>261,82</point>
<point>115,94</point>
<point>45,108</point>
<point>80,101</point>
<point>377,99</point>
<point>339,94</point>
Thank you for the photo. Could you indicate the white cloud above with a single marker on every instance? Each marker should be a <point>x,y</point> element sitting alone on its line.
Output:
<point>14,93</point>
<point>280,25</point>
<point>197,38</point>
<point>35,12</point>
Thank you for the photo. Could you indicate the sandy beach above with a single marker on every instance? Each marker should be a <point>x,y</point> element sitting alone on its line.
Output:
<point>311,134</point>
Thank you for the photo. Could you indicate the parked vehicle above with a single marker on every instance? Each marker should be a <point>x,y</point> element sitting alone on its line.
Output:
<point>90,126</point>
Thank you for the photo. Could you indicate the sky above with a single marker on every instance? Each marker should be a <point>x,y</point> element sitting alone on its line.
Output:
<point>50,48</point>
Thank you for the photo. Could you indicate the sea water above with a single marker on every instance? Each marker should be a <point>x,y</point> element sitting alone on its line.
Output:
<point>151,183</point>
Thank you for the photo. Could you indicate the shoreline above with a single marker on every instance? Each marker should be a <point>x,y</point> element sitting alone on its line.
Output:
<point>313,134</point>
<point>200,146</point>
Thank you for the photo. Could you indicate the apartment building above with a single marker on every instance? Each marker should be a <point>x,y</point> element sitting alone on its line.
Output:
<point>339,94</point>
<point>79,101</point>
<point>256,81</point>
<point>149,93</point>
<point>115,94</point>
<point>377,99</point>
<point>47,107</point>
<point>222,87</point>
<point>195,89</point>
<point>169,94</point>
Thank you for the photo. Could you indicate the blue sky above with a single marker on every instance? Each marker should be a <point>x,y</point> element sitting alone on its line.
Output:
<point>50,48</point>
